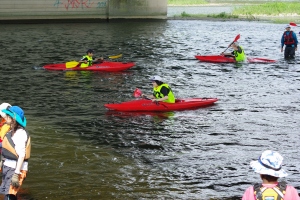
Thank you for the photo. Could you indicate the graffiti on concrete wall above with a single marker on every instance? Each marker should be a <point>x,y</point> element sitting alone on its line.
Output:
<point>83,4</point>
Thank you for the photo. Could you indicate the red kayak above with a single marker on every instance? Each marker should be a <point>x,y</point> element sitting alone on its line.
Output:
<point>148,105</point>
<point>106,66</point>
<point>226,59</point>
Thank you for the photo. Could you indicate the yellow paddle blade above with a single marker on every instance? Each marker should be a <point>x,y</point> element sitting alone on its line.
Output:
<point>116,56</point>
<point>71,64</point>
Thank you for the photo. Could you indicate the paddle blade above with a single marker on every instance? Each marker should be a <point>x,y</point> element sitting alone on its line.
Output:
<point>237,38</point>
<point>137,92</point>
<point>293,24</point>
<point>116,56</point>
<point>71,64</point>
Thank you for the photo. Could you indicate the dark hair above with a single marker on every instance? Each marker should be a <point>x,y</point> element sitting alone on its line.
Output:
<point>158,82</point>
<point>269,177</point>
<point>14,126</point>
<point>90,51</point>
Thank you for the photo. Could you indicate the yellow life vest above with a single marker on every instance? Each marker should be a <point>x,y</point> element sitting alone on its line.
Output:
<point>239,56</point>
<point>264,193</point>
<point>158,94</point>
<point>8,147</point>
<point>89,61</point>
<point>3,130</point>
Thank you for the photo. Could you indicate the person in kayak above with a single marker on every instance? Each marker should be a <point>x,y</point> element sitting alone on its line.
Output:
<point>87,60</point>
<point>289,39</point>
<point>238,52</point>
<point>161,91</point>
<point>269,166</point>
<point>16,147</point>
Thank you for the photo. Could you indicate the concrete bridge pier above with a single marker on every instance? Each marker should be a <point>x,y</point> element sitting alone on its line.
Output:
<point>82,9</point>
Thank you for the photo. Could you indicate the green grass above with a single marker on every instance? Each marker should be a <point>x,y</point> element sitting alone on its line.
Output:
<point>222,15</point>
<point>186,2</point>
<point>271,9</point>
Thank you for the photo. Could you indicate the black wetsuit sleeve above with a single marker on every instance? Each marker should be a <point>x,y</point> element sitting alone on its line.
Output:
<point>85,58</point>
<point>164,90</point>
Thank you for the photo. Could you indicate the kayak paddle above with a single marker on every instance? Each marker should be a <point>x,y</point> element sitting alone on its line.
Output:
<point>293,24</point>
<point>73,64</point>
<point>138,93</point>
<point>235,39</point>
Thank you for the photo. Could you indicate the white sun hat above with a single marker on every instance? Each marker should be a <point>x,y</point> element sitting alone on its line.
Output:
<point>156,78</point>
<point>269,163</point>
<point>2,107</point>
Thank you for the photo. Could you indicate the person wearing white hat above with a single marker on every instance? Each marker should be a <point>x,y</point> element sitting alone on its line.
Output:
<point>161,91</point>
<point>238,52</point>
<point>289,39</point>
<point>269,166</point>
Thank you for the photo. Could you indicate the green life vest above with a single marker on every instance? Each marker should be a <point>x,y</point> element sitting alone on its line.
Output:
<point>158,94</point>
<point>239,56</point>
<point>89,62</point>
<point>264,193</point>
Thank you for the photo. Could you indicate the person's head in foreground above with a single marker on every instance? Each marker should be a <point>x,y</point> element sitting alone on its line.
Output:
<point>269,166</point>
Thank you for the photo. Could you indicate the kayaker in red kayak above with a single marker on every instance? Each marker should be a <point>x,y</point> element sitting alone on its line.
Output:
<point>289,39</point>
<point>88,60</point>
<point>161,91</point>
<point>269,166</point>
<point>238,52</point>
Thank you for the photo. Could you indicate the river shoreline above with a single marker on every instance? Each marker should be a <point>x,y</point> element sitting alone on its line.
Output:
<point>211,11</point>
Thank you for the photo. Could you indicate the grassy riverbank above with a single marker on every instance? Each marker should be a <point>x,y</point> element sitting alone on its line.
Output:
<point>270,9</point>
<point>186,2</point>
<point>280,12</point>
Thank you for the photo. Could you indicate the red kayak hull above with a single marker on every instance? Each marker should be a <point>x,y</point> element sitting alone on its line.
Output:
<point>215,59</point>
<point>225,59</point>
<point>106,66</point>
<point>148,105</point>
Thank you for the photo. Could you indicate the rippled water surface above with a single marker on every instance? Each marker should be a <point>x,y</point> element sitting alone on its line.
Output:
<point>82,151</point>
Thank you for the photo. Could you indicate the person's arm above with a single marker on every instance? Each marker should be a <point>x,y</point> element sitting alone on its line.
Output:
<point>291,193</point>
<point>83,60</point>
<point>227,54</point>
<point>282,42</point>
<point>249,194</point>
<point>20,147</point>
<point>148,96</point>
<point>19,139</point>
<point>165,91</point>
<point>296,41</point>
<point>96,60</point>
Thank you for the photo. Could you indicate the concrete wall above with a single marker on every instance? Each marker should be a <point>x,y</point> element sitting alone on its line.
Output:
<point>82,9</point>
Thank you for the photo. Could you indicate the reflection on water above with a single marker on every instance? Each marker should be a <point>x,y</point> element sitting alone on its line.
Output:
<point>83,151</point>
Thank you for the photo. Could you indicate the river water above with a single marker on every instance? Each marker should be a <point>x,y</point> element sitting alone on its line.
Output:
<point>83,151</point>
